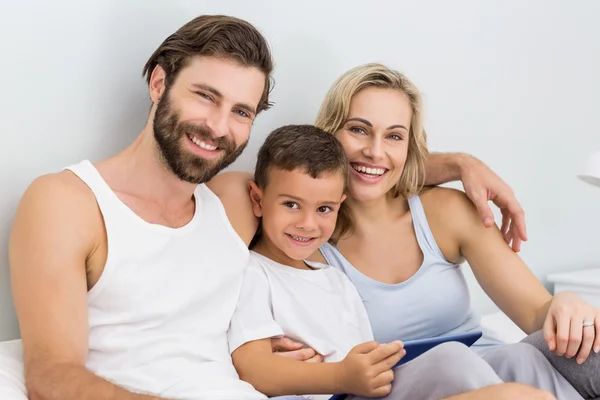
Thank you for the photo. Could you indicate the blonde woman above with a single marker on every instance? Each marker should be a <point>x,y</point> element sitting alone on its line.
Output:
<point>401,245</point>
<point>428,377</point>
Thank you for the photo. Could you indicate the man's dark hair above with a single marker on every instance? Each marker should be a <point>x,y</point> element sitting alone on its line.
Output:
<point>221,36</point>
<point>300,147</point>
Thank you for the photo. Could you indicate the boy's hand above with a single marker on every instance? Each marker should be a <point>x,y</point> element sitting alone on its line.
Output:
<point>367,369</point>
<point>286,347</point>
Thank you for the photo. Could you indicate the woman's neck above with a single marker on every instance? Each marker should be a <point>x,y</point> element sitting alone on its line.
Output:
<point>374,213</point>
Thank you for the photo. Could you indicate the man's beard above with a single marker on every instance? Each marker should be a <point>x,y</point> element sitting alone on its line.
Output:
<point>189,167</point>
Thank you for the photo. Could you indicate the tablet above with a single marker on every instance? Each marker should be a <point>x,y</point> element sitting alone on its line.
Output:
<point>414,348</point>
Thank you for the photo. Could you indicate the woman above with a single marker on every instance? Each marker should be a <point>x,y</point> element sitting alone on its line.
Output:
<point>401,245</point>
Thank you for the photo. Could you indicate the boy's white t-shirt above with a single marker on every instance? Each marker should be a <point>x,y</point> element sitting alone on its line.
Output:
<point>320,308</point>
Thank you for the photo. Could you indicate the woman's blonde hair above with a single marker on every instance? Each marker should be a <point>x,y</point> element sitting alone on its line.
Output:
<point>334,112</point>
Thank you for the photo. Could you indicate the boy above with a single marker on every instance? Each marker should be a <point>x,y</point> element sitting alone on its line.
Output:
<point>299,186</point>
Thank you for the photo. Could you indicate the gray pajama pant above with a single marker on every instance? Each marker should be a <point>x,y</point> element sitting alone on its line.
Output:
<point>446,370</point>
<point>585,377</point>
<point>452,368</point>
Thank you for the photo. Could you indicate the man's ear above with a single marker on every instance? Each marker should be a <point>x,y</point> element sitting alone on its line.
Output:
<point>256,198</point>
<point>157,83</point>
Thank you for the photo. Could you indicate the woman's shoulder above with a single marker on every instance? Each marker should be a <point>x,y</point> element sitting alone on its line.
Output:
<point>449,213</point>
<point>444,201</point>
<point>439,194</point>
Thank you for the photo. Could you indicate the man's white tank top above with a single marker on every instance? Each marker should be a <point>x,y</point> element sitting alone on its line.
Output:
<point>159,314</point>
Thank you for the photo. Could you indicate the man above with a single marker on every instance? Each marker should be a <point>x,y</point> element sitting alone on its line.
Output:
<point>126,273</point>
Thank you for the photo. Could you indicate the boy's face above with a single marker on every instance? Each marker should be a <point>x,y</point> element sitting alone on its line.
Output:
<point>298,212</point>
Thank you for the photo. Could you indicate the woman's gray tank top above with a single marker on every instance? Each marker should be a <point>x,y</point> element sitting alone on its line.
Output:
<point>435,301</point>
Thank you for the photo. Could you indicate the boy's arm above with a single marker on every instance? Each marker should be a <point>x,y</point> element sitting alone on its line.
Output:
<point>365,371</point>
<point>279,376</point>
<point>249,335</point>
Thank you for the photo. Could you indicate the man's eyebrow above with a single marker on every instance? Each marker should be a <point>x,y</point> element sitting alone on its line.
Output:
<point>208,88</point>
<point>216,93</point>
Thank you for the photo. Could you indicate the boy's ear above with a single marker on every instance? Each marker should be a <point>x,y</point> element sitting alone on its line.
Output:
<point>256,198</point>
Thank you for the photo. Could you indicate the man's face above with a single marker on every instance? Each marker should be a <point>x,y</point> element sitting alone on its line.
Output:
<point>203,120</point>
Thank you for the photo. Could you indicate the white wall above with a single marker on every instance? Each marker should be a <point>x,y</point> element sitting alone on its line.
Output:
<point>513,82</point>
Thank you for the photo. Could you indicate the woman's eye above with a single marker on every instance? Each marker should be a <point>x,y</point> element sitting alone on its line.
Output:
<point>357,129</point>
<point>395,136</point>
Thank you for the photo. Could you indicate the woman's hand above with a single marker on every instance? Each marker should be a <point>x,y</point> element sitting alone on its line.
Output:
<point>572,327</point>
<point>286,347</point>
<point>482,185</point>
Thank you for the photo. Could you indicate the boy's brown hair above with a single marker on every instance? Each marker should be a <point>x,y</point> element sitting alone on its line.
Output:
<point>300,147</point>
<point>214,36</point>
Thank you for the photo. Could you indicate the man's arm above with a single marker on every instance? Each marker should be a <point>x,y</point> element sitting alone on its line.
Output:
<point>482,185</point>
<point>57,229</point>
<point>444,167</point>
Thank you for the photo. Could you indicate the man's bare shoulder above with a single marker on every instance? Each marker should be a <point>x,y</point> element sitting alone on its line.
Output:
<point>230,183</point>
<point>60,188</point>
<point>60,199</point>
<point>233,191</point>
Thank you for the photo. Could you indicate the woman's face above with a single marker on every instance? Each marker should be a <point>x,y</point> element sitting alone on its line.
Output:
<point>375,138</point>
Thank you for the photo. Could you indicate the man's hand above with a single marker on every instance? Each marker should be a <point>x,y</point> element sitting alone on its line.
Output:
<point>481,184</point>
<point>286,347</point>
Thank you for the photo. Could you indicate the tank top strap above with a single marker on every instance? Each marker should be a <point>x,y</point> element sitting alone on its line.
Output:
<point>332,255</point>
<point>92,178</point>
<point>422,229</point>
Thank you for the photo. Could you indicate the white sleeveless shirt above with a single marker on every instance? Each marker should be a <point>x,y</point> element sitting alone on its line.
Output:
<point>159,314</point>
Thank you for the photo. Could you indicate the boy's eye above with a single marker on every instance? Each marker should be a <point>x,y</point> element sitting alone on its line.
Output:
<point>291,204</point>
<point>324,209</point>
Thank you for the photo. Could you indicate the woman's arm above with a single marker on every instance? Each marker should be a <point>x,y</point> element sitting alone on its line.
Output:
<point>507,280</point>
<point>366,370</point>
<point>500,271</point>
